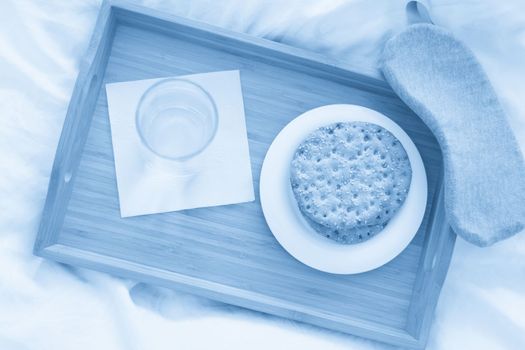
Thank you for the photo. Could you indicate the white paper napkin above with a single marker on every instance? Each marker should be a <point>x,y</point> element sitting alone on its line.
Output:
<point>220,175</point>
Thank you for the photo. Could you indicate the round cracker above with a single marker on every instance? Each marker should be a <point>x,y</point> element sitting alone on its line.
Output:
<point>346,176</point>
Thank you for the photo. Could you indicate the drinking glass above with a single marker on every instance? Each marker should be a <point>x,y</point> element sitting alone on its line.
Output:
<point>176,120</point>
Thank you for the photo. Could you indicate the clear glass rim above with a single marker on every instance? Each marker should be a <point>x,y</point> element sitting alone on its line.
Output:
<point>149,91</point>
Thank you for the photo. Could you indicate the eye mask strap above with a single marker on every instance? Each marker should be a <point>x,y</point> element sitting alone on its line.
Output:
<point>417,12</point>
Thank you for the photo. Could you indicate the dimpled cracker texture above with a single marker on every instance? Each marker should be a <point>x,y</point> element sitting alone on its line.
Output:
<point>349,179</point>
<point>440,79</point>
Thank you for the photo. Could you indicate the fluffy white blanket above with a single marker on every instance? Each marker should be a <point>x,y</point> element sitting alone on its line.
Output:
<point>44,305</point>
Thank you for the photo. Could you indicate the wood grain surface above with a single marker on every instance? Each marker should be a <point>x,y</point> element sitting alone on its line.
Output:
<point>227,252</point>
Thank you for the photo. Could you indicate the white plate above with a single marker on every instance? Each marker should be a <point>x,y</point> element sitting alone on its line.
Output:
<point>293,232</point>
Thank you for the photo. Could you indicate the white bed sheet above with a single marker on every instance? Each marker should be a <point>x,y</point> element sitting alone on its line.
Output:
<point>44,305</point>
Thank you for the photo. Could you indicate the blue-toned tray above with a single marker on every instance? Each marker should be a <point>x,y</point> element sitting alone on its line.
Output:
<point>228,253</point>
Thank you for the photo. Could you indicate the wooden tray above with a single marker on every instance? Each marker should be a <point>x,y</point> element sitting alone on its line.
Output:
<point>228,253</point>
